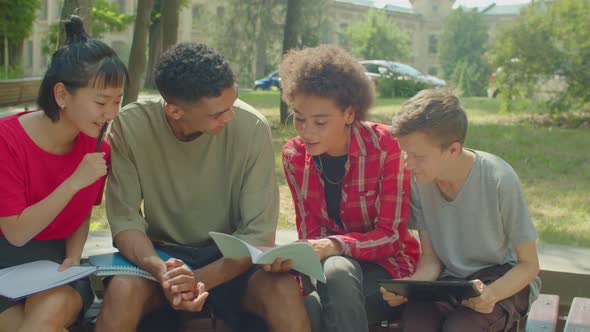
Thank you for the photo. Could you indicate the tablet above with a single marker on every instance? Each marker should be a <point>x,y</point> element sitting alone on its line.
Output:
<point>450,291</point>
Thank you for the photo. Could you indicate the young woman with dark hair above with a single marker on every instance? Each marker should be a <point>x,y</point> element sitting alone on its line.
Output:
<point>52,171</point>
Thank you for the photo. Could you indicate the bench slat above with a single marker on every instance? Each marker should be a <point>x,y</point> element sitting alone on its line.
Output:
<point>544,314</point>
<point>578,319</point>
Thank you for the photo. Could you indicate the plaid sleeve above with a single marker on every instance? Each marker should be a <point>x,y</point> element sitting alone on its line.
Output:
<point>307,226</point>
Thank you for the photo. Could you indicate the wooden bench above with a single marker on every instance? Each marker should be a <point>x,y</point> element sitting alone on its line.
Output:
<point>578,318</point>
<point>544,314</point>
<point>18,91</point>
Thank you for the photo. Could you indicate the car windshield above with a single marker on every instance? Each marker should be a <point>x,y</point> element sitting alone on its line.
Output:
<point>405,69</point>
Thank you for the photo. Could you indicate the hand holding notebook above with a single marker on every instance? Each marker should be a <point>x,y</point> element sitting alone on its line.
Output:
<point>303,257</point>
<point>20,281</point>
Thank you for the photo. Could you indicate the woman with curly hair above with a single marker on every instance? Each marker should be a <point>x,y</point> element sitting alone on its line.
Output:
<point>349,187</point>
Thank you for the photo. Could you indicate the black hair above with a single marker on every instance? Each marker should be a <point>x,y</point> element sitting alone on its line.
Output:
<point>81,62</point>
<point>188,72</point>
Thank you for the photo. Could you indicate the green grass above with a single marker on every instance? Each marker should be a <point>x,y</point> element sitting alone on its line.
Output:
<point>553,163</point>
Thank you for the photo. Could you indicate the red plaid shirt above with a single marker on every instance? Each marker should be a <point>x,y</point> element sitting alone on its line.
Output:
<point>375,204</point>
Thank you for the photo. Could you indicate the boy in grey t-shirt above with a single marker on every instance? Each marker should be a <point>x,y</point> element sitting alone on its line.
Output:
<point>472,218</point>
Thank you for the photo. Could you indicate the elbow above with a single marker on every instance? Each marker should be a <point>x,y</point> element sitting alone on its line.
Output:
<point>14,237</point>
<point>15,240</point>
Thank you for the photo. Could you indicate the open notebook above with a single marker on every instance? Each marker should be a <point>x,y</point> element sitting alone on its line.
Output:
<point>19,281</point>
<point>304,258</point>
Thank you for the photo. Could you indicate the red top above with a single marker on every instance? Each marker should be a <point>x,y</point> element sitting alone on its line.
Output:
<point>28,174</point>
<point>375,204</point>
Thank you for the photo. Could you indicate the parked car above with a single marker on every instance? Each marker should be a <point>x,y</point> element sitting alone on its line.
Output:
<point>398,70</point>
<point>268,82</point>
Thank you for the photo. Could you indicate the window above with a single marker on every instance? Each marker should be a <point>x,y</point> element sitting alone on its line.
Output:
<point>44,9</point>
<point>433,44</point>
<point>123,6</point>
<point>196,11</point>
<point>29,60</point>
<point>220,12</point>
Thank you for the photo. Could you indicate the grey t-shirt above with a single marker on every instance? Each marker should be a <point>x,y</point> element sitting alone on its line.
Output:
<point>478,228</point>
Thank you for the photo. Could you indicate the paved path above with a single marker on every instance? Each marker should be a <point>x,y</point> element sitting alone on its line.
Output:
<point>551,256</point>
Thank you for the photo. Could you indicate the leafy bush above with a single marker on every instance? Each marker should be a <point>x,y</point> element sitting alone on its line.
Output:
<point>392,88</point>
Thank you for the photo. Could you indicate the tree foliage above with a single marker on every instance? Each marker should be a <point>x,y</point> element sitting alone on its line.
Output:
<point>462,44</point>
<point>549,42</point>
<point>379,37</point>
<point>16,22</point>
<point>106,17</point>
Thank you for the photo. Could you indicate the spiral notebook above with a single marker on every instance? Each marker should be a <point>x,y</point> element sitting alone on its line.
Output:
<point>116,264</point>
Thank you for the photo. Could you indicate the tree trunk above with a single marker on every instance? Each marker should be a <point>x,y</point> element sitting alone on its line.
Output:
<point>290,39</point>
<point>264,25</point>
<point>15,54</point>
<point>155,49</point>
<point>82,8</point>
<point>169,23</point>
<point>137,53</point>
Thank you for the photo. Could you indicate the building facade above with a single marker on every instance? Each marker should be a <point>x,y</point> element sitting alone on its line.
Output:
<point>423,22</point>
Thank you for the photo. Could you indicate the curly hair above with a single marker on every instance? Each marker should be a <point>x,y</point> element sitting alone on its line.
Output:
<point>188,72</point>
<point>327,71</point>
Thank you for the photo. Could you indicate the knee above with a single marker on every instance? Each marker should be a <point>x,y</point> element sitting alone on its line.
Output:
<point>56,308</point>
<point>342,274</point>
<point>128,292</point>
<point>463,320</point>
<point>127,288</point>
<point>283,286</point>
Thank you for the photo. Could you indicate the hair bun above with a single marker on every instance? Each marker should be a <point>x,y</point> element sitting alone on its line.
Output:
<point>75,33</point>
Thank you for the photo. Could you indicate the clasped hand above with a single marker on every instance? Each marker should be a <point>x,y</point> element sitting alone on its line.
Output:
<point>181,288</point>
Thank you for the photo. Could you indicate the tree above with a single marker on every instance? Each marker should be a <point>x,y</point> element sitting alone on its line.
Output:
<point>155,44</point>
<point>16,22</point>
<point>378,37</point>
<point>138,49</point>
<point>106,17</point>
<point>82,8</point>
<point>169,23</point>
<point>548,41</point>
<point>462,45</point>
<point>290,39</point>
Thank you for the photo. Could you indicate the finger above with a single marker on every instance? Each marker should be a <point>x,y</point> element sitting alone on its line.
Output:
<point>182,279</point>
<point>276,265</point>
<point>177,299</point>
<point>174,262</point>
<point>177,271</point>
<point>196,304</point>
<point>65,264</point>
<point>188,296</point>
<point>286,265</point>
<point>266,267</point>
<point>184,287</point>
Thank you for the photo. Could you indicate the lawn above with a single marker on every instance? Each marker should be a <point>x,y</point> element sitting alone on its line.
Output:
<point>553,163</point>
